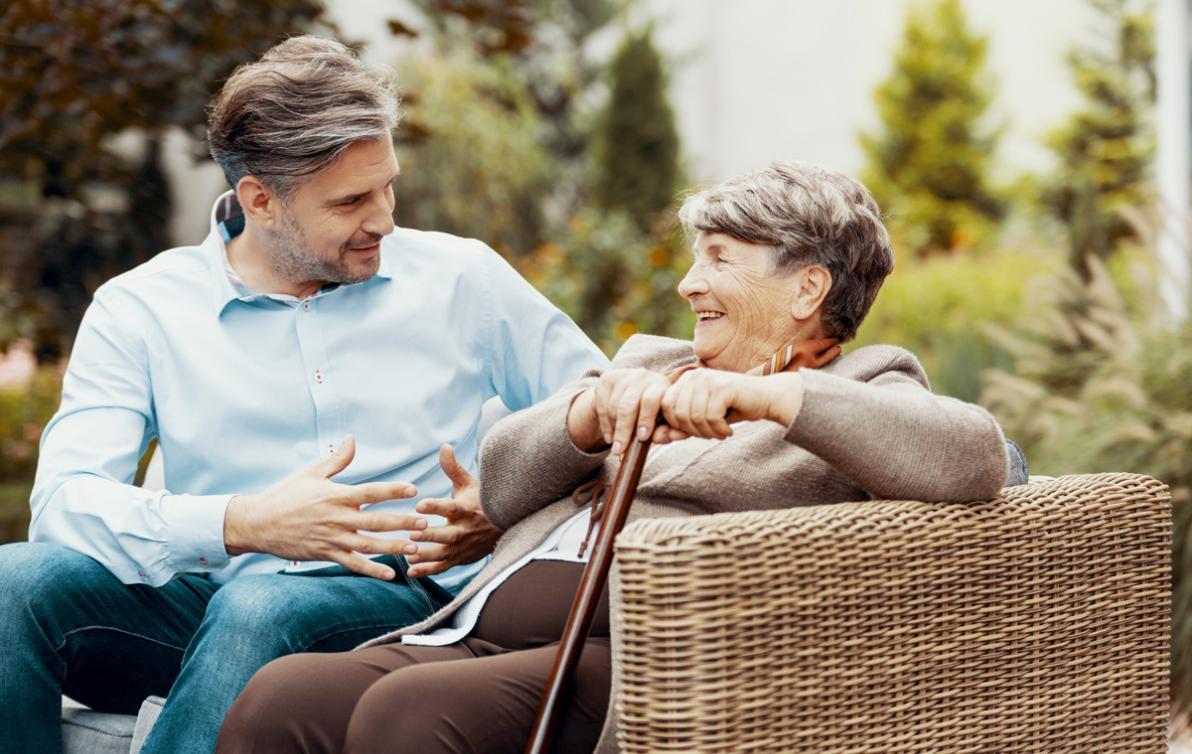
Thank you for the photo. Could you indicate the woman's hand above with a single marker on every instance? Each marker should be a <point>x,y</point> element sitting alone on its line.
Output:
<point>624,403</point>
<point>703,402</point>
<point>467,536</point>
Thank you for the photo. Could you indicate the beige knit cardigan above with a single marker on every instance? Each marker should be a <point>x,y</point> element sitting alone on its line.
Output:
<point>869,427</point>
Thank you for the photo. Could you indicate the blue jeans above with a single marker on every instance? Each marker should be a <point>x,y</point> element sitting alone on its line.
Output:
<point>68,626</point>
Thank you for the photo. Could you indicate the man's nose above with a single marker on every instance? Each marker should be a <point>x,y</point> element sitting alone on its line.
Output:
<point>380,218</point>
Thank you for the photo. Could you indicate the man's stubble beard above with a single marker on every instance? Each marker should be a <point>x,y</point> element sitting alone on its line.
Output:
<point>294,261</point>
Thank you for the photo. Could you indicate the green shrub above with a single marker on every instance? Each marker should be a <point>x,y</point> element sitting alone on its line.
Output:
<point>14,510</point>
<point>472,157</point>
<point>23,414</point>
<point>929,164</point>
<point>941,309</point>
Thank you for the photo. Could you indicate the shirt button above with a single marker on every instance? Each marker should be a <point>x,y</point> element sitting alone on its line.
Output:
<point>306,306</point>
<point>318,377</point>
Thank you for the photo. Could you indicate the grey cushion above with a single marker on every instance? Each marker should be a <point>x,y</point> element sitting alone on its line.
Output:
<point>85,731</point>
<point>150,709</point>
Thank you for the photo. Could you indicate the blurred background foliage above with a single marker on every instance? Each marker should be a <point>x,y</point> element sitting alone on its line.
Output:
<point>77,204</point>
<point>471,152</point>
<point>1034,295</point>
<point>929,164</point>
<point>1106,148</point>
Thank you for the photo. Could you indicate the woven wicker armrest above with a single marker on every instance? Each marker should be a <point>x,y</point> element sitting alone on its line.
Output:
<point>1036,622</point>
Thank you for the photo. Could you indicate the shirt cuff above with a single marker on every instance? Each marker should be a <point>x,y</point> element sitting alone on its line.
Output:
<point>195,532</point>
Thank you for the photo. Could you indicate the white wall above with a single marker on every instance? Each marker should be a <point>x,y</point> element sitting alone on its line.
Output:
<point>756,80</point>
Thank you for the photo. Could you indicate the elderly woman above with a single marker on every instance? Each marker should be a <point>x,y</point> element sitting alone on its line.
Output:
<point>761,410</point>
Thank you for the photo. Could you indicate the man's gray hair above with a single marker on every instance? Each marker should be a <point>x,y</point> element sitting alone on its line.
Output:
<point>293,112</point>
<point>809,216</point>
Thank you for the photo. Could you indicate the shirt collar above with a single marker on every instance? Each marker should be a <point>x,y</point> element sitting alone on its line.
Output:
<point>227,222</point>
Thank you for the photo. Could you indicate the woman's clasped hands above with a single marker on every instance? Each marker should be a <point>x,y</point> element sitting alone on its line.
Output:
<point>701,402</point>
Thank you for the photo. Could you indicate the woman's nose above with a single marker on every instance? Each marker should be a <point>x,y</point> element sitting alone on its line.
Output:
<point>693,283</point>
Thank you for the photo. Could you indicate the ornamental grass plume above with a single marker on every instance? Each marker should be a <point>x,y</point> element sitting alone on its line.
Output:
<point>1096,389</point>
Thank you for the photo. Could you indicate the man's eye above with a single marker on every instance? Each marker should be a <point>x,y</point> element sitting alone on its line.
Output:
<point>350,202</point>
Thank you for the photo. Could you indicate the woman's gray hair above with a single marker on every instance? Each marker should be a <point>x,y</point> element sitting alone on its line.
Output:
<point>293,112</point>
<point>809,216</point>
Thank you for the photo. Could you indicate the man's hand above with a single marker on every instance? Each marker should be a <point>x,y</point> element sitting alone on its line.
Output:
<point>306,516</point>
<point>466,537</point>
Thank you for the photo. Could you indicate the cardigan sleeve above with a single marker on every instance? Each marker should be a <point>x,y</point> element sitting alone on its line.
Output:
<point>896,439</point>
<point>528,459</point>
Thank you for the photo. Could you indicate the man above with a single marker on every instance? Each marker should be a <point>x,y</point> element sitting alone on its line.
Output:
<point>306,360</point>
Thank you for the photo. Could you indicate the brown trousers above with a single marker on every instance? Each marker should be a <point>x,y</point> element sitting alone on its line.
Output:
<point>478,695</point>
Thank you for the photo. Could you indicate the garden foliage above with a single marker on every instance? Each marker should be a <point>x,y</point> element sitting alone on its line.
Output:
<point>637,166</point>
<point>1106,148</point>
<point>929,164</point>
<point>580,198</point>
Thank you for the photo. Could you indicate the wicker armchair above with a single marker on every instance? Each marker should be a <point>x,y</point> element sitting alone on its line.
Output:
<point>1037,622</point>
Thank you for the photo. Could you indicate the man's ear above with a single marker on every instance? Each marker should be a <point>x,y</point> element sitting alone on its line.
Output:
<point>260,204</point>
<point>812,284</point>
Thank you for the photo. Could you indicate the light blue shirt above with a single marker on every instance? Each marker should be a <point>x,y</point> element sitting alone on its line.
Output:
<point>242,389</point>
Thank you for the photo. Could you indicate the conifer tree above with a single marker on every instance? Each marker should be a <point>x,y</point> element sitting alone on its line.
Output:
<point>638,147</point>
<point>928,166</point>
<point>1106,149</point>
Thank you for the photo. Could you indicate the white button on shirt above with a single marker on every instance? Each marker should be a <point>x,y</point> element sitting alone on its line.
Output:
<point>242,389</point>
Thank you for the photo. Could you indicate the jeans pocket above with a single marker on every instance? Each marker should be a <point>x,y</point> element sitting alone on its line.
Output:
<point>435,595</point>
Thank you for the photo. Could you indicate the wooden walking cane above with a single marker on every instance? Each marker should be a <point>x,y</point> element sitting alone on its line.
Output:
<point>591,584</point>
<point>800,353</point>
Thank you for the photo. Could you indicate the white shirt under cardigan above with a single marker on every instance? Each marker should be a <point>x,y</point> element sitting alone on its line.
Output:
<point>561,544</point>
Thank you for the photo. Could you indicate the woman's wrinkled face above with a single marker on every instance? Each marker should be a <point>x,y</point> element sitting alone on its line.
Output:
<point>742,306</point>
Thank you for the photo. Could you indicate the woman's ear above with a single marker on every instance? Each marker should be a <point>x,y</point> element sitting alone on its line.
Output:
<point>260,204</point>
<point>812,284</point>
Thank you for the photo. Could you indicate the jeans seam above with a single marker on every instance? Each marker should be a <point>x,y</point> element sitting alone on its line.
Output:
<point>66,637</point>
<point>368,626</point>
<point>413,584</point>
<point>430,605</point>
